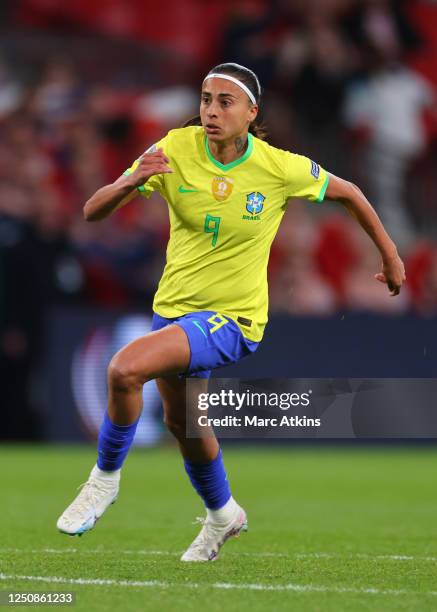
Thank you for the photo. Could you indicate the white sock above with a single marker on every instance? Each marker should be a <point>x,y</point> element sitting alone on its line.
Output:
<point>114,476</point>
<point>224,514</point>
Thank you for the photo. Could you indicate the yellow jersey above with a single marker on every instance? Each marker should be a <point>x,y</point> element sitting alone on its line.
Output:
<point>223,219</point>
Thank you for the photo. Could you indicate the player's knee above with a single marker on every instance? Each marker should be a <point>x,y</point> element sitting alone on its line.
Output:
<point>122,376</point>
<point>176,425</point>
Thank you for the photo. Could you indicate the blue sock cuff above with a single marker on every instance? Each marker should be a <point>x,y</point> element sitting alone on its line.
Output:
<point>205,466</point>
<point>120,428</point>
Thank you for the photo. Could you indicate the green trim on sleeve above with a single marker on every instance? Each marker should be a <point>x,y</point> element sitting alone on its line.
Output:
<point>323,190</point>
<point>141,188</point>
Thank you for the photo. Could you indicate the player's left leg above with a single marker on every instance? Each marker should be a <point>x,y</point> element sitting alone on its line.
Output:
<point>203,463</point>
<point>161,352</point>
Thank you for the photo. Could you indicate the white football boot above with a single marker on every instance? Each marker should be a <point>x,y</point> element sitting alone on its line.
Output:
<point>212,536</point>
<point>96,495</point>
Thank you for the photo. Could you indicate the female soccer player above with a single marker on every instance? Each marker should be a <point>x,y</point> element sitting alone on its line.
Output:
<point>227,191</point>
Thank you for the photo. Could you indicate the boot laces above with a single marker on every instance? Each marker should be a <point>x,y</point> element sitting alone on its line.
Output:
<point>91,493</point>
<point>210,534</point>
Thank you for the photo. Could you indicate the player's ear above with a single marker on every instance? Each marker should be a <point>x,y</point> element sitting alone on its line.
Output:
<point>253,112</point>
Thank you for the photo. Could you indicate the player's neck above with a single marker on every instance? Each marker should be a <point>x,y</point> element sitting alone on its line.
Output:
<point>228,151</point>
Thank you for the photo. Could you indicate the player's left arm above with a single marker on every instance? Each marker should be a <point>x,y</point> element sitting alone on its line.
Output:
<point>356,203</point>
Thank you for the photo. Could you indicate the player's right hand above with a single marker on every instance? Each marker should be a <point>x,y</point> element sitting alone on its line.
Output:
<point>149,164</point>
<point>392,274</point>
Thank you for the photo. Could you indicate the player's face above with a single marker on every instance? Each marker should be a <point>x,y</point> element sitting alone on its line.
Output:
<point>225,110</point>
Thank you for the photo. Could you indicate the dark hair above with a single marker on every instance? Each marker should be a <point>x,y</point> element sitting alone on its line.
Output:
<point>249,78</point>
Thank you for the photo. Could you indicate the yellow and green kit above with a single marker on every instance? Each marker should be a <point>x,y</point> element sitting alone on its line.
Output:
<point>223,219</point>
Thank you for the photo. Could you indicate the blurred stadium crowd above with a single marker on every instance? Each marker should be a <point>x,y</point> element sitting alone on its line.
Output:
<point>85,87</point>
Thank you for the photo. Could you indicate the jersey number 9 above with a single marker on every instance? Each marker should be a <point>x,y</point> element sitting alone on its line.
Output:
<point>212,226</point>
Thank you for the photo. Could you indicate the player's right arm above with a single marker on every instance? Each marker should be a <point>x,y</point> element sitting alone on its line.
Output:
<point>109,198</point>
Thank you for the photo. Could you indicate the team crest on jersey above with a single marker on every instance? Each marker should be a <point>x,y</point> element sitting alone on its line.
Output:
<point>222,187</point>
<point>255,202</point>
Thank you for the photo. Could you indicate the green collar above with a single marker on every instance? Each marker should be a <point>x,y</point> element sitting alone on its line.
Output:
<point>234,163</point>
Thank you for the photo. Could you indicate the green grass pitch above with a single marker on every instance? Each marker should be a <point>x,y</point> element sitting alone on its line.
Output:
<point>329,529</point>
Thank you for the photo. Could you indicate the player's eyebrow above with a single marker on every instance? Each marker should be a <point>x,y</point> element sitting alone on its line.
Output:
<point>220,95</point>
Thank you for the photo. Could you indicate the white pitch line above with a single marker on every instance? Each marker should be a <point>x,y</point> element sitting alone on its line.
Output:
<point>367,556</point>
<point>301,588</point>
<point>98,551</point>
<point>313,555</point>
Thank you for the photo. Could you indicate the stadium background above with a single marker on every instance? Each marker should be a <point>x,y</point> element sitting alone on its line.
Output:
<point>86,87</point>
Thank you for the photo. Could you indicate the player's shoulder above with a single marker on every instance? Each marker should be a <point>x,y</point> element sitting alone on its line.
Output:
<point>184,139</point>
<point>271,156</point>
<point>270,150</point>
<point>281,159</point>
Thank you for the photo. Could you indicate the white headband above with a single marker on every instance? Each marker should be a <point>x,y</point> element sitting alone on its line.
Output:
<point>234,80</point>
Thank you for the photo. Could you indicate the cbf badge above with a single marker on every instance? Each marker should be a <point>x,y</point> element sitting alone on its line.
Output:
<point>222,187</point>
<point>255,202</point>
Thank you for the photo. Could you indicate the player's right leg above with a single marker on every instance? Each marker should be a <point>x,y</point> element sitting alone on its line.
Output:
<point>204,465</point>
<point>160,353</point>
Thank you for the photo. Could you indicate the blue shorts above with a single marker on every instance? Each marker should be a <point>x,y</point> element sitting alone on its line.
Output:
<point>214,340</point>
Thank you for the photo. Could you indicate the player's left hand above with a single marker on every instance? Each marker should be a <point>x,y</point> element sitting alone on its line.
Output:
<point>393,274</point>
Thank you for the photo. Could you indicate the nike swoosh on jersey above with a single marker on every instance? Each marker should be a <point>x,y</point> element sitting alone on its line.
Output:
<point>182,189</point>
